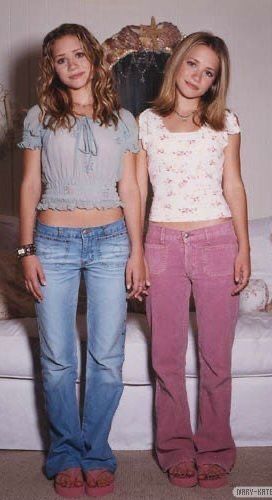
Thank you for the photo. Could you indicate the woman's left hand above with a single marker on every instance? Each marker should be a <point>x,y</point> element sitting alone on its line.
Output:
<point>241,271</point>
<point>136,276</point>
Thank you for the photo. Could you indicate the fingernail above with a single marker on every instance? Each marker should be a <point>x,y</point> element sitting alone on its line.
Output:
<point>128,286</point>
<point>43,283</point>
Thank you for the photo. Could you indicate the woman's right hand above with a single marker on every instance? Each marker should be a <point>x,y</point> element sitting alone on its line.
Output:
<point>33,275</point>
<point>147,275</point>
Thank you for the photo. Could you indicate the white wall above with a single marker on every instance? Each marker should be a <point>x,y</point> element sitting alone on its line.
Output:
<point>246,26</point>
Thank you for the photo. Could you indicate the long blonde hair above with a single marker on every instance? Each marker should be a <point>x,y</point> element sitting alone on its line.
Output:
<point>54,98</point>
<point>212,104</point>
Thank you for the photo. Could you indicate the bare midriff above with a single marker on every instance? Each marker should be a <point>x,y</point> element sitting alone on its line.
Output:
<point>191,225</point>
<point>80,217</point>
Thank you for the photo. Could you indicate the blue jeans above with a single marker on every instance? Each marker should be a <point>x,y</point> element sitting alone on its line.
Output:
<point>100,253</point>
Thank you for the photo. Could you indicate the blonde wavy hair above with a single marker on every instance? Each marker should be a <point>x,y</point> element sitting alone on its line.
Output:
<point>212,106</point>
<point>54,98</point>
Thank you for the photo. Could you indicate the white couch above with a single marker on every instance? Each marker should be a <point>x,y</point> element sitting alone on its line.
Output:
<point>22,417</point>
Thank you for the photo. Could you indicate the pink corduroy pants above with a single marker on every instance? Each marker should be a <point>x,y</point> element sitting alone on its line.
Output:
<point>201,260</point>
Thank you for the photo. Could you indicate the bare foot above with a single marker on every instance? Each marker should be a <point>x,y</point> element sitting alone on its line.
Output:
<point>69,478</point>
<point>184,469</point>
<point>100,478</point>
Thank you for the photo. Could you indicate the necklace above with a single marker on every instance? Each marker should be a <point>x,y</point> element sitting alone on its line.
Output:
<point>184,117</point>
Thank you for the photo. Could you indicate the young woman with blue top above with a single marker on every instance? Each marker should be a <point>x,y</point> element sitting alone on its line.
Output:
<point>79,183</point>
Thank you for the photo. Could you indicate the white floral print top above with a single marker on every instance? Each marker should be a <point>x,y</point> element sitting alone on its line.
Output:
<point>185,169</point>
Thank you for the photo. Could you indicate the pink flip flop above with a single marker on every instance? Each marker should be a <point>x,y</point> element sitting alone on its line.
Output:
<point>75,487</point>
<point>92,477</point>
<point>181,477</point>
<point>212,476</point>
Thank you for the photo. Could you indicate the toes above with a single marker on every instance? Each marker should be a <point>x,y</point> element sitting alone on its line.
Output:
<point>64,481</point>
<point>105,479</point>
<point>211,471</point>
<point>182,470</point>
<point>69,479</point>
<point>78,482</point>
<point>99,479</point>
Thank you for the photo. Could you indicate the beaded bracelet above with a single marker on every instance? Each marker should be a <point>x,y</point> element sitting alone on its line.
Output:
<point>26,250</point>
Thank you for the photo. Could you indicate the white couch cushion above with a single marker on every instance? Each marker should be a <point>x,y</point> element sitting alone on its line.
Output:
<point>251,355</point>
<point>260,235</point>
<point>254,297</point>
<point>19,348</point>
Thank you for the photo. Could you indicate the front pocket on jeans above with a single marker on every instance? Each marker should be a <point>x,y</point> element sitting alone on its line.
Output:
<point>43,248</point>
<point>114,250</point>
<point>156,257</point>
<point>51,251</point>
<point>218,260</point>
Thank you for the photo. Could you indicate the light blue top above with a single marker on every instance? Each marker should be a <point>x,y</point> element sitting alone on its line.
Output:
<point>80,168</point>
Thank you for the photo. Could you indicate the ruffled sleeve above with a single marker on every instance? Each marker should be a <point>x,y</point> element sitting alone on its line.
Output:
<point>143,128</point>
<point>130,130</point>
<point>232,124</point>
<point>32,131</point>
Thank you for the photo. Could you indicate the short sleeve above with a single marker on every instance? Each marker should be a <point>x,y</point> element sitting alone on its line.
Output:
<point>32,131</point>
<point>143,128</point>
<point>232,124</point>
<point>131,132</point>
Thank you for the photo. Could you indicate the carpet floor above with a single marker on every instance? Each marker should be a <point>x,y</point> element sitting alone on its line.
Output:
<point>138,477</point>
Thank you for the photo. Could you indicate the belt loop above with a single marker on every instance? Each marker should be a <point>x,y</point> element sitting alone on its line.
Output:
<point>162,235</point>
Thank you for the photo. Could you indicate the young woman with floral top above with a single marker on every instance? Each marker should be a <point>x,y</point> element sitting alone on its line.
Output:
<point>197,241</point>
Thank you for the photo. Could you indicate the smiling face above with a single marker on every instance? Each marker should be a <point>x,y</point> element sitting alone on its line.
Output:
<point>70,62</point>
<point>197,72</point>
